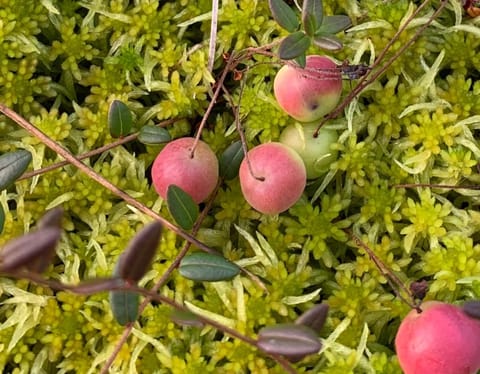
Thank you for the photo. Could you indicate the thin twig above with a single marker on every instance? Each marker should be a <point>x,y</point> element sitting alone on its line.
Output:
<point>368,78</point>
<point>395,283</point>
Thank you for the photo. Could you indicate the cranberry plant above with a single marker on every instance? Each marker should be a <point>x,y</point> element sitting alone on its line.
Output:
<point>125,280</point>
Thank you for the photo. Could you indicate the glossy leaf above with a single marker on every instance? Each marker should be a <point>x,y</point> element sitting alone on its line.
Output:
<point>185,318</point>
<point>12,166</point>
<point>301,60</point>
<point>137,258</point>
<point>472,308</point>
<point>52,218</point>
<point>289,340</point>
<point>284,15</point>
<point>124,305</point>
<point>312,15</point>
<point>294,45</point>
<point>208,267</point>
<point>182,207</point>
<point>33,251</point>
<point>2,218</point>
<point>314,317</point>
<point>334,24</point>
<point>230,160</point>
<point>150,134</point>
<point>329,43</point>
<point>119,119</point>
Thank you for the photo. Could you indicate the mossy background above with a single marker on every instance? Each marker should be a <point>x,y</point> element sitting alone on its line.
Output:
<point>61,65</point>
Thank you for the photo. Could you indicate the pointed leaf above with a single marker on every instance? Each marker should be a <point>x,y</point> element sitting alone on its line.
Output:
<point>284,15</point>
<point>136,259</point>
<point>124,306</point>
<point>119,119</point>
<point>2,218</point>
<point>301,61</point>
<point>289,340</point>
<point>293,45</point>
<point>312,16</point>
<point>314,317</point>
<point>329,43</point>
<point>472,308</point>
<point>185,318</point>
<point>32,250</point>
<point>230,161</point>
<point>334,24</point>
<point>52,218</point>
<point>182,207</point>
<point>12,166</point>
<point>208,267</point>
<point>150,134</point>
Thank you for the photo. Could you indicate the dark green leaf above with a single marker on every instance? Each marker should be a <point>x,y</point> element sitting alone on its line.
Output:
<point>289,340</point>
<point>52,218</point>
<point>329,43</point>
<point>301,60</point>
<point>33,251</point>
<point>312,15</point>
<point>472,308</point>
<point>185,318</point>
<point>136,259</point>
<point>230,161</point>
<point>334,24</point>
<point>284,15</point>
<point>314,317</point>
<point>2,218</point>
<point>150,134</point>
<point>12,166</point>
<point>182,207</point>
<point>124,306</point>
<point>208,267</point>
<point>119,119</point>
<point>293,45</point>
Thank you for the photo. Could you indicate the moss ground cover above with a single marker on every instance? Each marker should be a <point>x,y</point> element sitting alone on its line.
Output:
<point>62,63</point>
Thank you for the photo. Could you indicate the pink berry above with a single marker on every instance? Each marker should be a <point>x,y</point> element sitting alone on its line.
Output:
<point>284,178</point>
<point>305,94</point>
<point>197,175</point>
<point>440,340</point>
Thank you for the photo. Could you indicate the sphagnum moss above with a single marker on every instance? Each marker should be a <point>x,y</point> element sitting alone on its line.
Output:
<point>91,53</point>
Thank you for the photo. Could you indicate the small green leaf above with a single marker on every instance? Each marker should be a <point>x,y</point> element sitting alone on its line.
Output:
<point>289,340</point>
<point>312,16</point>
<point>124,306</point>
<point>182,207</point>
<point>136,259</point>
<point>208,267</point>
<point>2,218</point>
<point>230,160</point>
<point>301,60</point>
<point>472,308</point>
<point>314,317</point>
<point>329,43</point>
<point>334,24</point>
<point>150,134</point>
<point>284,15</point>
<point>12,166</point>
<point>33,251</point>
<point>293,45</point>
<point>119,119</point>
